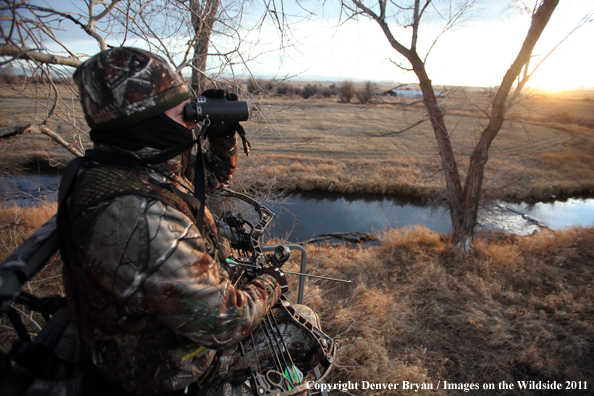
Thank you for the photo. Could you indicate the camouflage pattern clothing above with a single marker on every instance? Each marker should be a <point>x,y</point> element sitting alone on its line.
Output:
<point>151,299</point>
<point>123,86</point>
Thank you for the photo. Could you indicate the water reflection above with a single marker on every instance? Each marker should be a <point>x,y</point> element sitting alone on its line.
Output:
<point>315,213</point>
<point>29,189</point>
<point>306,215</point>
<point>558,215</point>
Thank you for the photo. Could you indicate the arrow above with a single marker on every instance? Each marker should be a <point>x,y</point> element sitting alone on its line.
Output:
<point>231,261</point>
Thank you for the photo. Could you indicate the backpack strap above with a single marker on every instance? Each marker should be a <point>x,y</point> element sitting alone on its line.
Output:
<point>67,185</point>
<point>105,182</point>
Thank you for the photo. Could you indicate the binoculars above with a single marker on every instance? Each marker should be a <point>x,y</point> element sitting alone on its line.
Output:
<point>216,110</point>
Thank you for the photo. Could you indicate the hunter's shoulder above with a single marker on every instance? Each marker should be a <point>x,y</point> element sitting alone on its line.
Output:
<point>100,186</point>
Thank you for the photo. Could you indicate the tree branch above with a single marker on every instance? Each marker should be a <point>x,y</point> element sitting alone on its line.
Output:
<point>386,29</point>
<point>415,26</point>
<point>34,55</point>
<point>539,22</point>
<point>401,131</point>
<point>39,128</point>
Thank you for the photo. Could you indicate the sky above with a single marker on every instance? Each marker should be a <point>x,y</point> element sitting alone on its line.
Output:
<point>476,52</point>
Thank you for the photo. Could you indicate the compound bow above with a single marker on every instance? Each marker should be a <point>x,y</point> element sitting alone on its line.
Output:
<point>244,237</point>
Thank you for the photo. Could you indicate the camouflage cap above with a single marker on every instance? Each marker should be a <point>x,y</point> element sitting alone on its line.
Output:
<point>122,86</point>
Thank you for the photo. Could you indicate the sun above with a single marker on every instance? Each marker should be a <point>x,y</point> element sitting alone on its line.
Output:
<point>553,85</point>
<point>556,74</point>
<point>552,79</point>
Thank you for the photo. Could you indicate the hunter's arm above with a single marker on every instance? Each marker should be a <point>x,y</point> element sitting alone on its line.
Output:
<point>220,160</point>
<point>154,260</point>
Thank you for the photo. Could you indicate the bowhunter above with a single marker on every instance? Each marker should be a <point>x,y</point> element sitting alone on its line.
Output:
<point>148,289</point>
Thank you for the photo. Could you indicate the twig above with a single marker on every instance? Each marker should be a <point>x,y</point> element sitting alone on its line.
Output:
<point>40,128</point>
<point>401,131</point>
<point>28,317</point>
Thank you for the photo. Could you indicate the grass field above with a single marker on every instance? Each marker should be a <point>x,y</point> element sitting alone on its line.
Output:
<point>326,145</point>
<point>545,149</point>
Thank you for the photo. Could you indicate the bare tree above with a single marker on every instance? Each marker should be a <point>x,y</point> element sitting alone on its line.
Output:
<point>180,31</point>
<point>204,15</point>
<point>463,200</point>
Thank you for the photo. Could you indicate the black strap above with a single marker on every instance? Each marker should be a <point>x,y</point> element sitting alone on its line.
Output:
<point>246,144</point>
<point>190,199</point>
<point>200,186</point>
<point>65,189</point>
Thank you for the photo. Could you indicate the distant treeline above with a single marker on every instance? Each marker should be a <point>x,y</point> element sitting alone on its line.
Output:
<point>345,91</point>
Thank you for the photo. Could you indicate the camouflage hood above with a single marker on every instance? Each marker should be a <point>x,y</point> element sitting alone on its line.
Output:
<point>122,86</point>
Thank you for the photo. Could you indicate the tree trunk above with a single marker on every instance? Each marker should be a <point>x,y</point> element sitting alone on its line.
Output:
<point>204,15</point>
<point>479,157</point>
<point>454,195</point>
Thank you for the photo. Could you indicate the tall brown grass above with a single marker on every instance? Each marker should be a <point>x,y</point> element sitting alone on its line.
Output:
<point>521,308</point>
<point>16,225</point>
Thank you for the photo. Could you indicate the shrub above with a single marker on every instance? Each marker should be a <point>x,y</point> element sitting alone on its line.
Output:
<point>346,91</point>
<point>259,86</point>
<point>329,92</point>
<point>308,91</point>
<point>367,93</point>
<point>286,89</point>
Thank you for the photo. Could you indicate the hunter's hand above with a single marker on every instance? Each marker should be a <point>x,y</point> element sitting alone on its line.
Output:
<point>222,130</point>
<point>277,274</point>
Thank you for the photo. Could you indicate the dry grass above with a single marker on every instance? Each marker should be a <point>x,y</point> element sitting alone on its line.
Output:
<point>324,144</point>
<point>31,151</point>
<point>16,225</point>
<point>522,308</point>
<point>545,149</point>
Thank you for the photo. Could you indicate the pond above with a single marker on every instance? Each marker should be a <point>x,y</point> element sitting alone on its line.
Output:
<point>308,214</point>
<point>313,213</point>
<point>29,189</point>
<point>302,216</point>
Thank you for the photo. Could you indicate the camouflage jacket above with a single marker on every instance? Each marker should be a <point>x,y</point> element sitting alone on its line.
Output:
<point>152,301</point>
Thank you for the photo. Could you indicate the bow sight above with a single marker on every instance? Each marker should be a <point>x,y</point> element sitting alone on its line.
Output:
<point>280,255</point>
